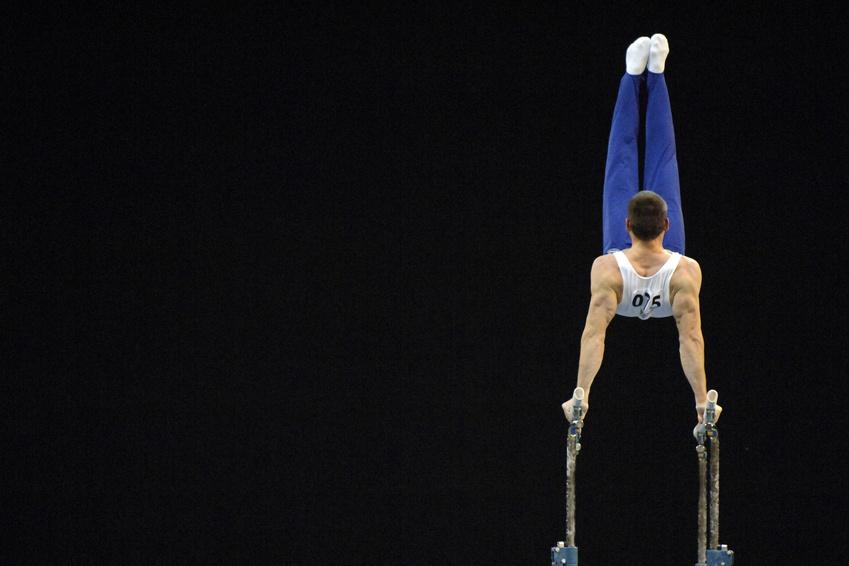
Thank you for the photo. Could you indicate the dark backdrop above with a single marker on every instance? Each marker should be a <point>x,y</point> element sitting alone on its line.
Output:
<point>307,284</point>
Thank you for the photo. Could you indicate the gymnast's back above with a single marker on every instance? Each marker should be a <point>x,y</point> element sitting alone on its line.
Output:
<point>647,282</point>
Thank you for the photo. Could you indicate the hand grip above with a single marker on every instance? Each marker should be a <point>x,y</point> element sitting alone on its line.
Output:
<point>577,403</point>
<point>578,395</point>
<point>710,407</point>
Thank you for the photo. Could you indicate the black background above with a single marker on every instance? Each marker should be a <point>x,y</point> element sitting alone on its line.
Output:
<point>307,284</point>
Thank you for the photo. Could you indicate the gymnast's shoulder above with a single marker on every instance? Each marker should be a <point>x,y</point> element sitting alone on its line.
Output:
<point>605,266</point>
<point>688,270</point>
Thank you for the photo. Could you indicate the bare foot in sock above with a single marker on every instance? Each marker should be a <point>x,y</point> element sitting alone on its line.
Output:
<point>637,56</point>
<point>659,51</point>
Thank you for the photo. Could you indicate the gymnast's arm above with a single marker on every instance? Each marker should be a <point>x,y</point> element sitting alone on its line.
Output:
<point>601,311</point>
<point>687,282</point>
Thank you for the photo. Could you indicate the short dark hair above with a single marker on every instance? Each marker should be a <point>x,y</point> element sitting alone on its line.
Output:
<point>647,213</point>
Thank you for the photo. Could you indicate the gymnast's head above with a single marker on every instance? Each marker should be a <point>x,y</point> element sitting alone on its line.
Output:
<point>647,218</point>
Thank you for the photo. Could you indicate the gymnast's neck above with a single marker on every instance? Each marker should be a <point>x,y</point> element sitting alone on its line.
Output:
<point>640,247</point>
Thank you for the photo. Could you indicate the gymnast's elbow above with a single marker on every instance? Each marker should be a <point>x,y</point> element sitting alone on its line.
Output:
<point>691,338</point>
<point>593,334</point>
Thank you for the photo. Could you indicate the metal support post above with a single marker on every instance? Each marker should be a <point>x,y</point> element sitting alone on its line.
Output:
<point>710,552</point>
<point>565,552</point>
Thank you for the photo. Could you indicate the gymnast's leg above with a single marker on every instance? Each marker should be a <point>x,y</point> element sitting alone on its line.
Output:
<point>621,173</point>
<point>661,171</point>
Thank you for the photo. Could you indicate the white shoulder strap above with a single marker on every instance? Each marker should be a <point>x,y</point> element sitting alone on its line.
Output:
<point>673,262</point>
<point>623,262</point>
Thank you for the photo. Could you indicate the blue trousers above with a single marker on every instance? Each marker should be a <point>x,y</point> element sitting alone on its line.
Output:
<point>621,173</point>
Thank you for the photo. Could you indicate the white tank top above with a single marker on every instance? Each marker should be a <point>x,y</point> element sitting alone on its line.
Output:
<point>645,297</point>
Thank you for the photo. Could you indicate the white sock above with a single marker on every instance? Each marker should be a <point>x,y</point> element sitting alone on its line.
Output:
<point>659,51</point>
<point>637,56</point>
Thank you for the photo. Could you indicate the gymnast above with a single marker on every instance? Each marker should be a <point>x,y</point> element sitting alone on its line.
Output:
<point>643,271</point>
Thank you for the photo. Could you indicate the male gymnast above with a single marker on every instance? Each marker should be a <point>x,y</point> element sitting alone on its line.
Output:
<point>643,271</point>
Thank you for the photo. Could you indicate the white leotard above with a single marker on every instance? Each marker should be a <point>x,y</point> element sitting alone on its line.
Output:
<point>645,297</point>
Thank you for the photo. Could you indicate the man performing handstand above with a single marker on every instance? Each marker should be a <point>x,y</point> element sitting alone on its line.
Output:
<point>643,272</point>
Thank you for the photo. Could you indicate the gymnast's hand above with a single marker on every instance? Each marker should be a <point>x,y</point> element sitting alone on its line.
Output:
<point>567,409</point>
<point>700,415</point>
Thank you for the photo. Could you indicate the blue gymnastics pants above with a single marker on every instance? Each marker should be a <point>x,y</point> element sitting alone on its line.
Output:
<point>621,173</point>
